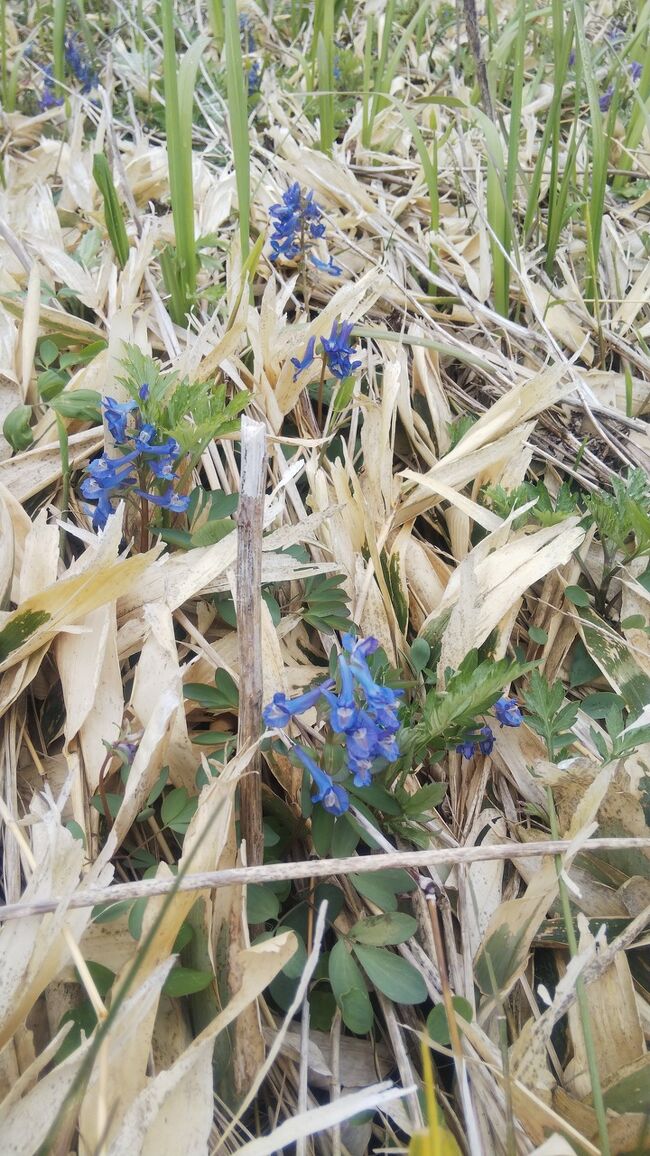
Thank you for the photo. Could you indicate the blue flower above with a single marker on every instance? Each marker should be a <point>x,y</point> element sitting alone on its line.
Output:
<point>79,65</point>
<point>339,351</point>
<point>145,444</point>
<point>325,266</point>
<point>508,712</point>
<point>302,365</point>
<point>246,32</point>
<point>163,468</point>
<point>296,218</point>
<point>254,77</point>
<point>466,749</point>
<point>116,414</point>
<point>143,392</point>
<point>572,58</point>
<point>635,71</point>
<point>606,99</point>
<point>359,648</point>
<point>333,797</point>
<point>387,747</point>
<point>282,709</point>
<point>49,99</point>
<point>361,741</point>
<point>176,503</point>
<point>102,511</point>
<point>361,770</point>
<point>486,743</point>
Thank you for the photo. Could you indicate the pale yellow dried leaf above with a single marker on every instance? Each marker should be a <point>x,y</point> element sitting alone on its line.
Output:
<point>29,332</point>
<point>69,600</point>
<point>618,1037</point>
<point>561,322</point>
<point>40,564</point>
<point>457,469</point>
<point>34,950</point>
<point>29,473</point>
<point>91,681</point>
<point>496,581</point>
<point>25,1123</point>
<point>158,672</point>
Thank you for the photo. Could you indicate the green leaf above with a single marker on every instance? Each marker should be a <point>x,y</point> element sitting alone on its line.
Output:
<point>48,351</point>
<point>16,428</point>
<point>185,981</point>
<point>103,977</point>
<point>261,904</point>
<point>424,801</point>
<point>634,622</point>
<point>345,838</point>
<point>185,936</point>
<point>211,532</point>
<point>577,595</point>
<point>112,210</point>
<point>381,887</point>
<point>382,930</point>
<point>177,810</point>
<point>437,1023</point>
<point>350,990</point>
<point>583,668</point>
<point>598,704</point>
<point>392,975</point>
<point>109,912</point>
<point>82,404</point>
<point>537,635</point>
<point>419,655</point>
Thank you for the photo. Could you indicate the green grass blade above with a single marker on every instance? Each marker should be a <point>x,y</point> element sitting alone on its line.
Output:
<point>595,205</point>
<point>112,211</point>
<point>238,113</point>
<point>179,148</point>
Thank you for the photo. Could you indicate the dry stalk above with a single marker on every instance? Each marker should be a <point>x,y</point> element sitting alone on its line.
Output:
<point>250,519</point>
<point>319,869</point>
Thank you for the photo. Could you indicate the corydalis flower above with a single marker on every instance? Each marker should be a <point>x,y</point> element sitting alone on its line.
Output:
<point>110,478</point>
<point>80,65</point>
<point>254,77</point>
<point>363,713</point>
<point>297,218</point>
<point>508,712</point>
<point>336,349</point>
<point>331,795</point>
<point>606,99</point>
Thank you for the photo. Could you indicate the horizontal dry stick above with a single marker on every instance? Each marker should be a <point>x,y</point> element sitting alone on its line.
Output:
<point>317,869</point>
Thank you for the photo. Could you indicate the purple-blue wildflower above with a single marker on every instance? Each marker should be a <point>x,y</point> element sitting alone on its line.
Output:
<point>466,749</point>
<point>80,65</point>
<point>606,99</point>
<point>283,709</point>
<point>254,77</point>
<point>110,478</point>
<point>339,351</point>
<point>302,364</point>
<point>296,219</point>
<point>332,796</point>
<point>486,742</point>
<point>362,711</point>
<point>636,68</point>
<point>508,712</point>
<point>325,266</point>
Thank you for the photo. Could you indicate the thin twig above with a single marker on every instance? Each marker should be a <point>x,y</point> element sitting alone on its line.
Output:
<point>323,868</point>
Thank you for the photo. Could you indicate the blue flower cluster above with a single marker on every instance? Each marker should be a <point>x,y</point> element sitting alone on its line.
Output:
<point>362,713</point>
<point>150,457</point>
<point>336,349</point>
<point>508,714</point>
<point>297,221</point>
<point>80,65</point>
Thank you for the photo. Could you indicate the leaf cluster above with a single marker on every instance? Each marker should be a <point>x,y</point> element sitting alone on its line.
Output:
<point>193,413</point>
<point>549,716</point>
<point>449,716</point>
